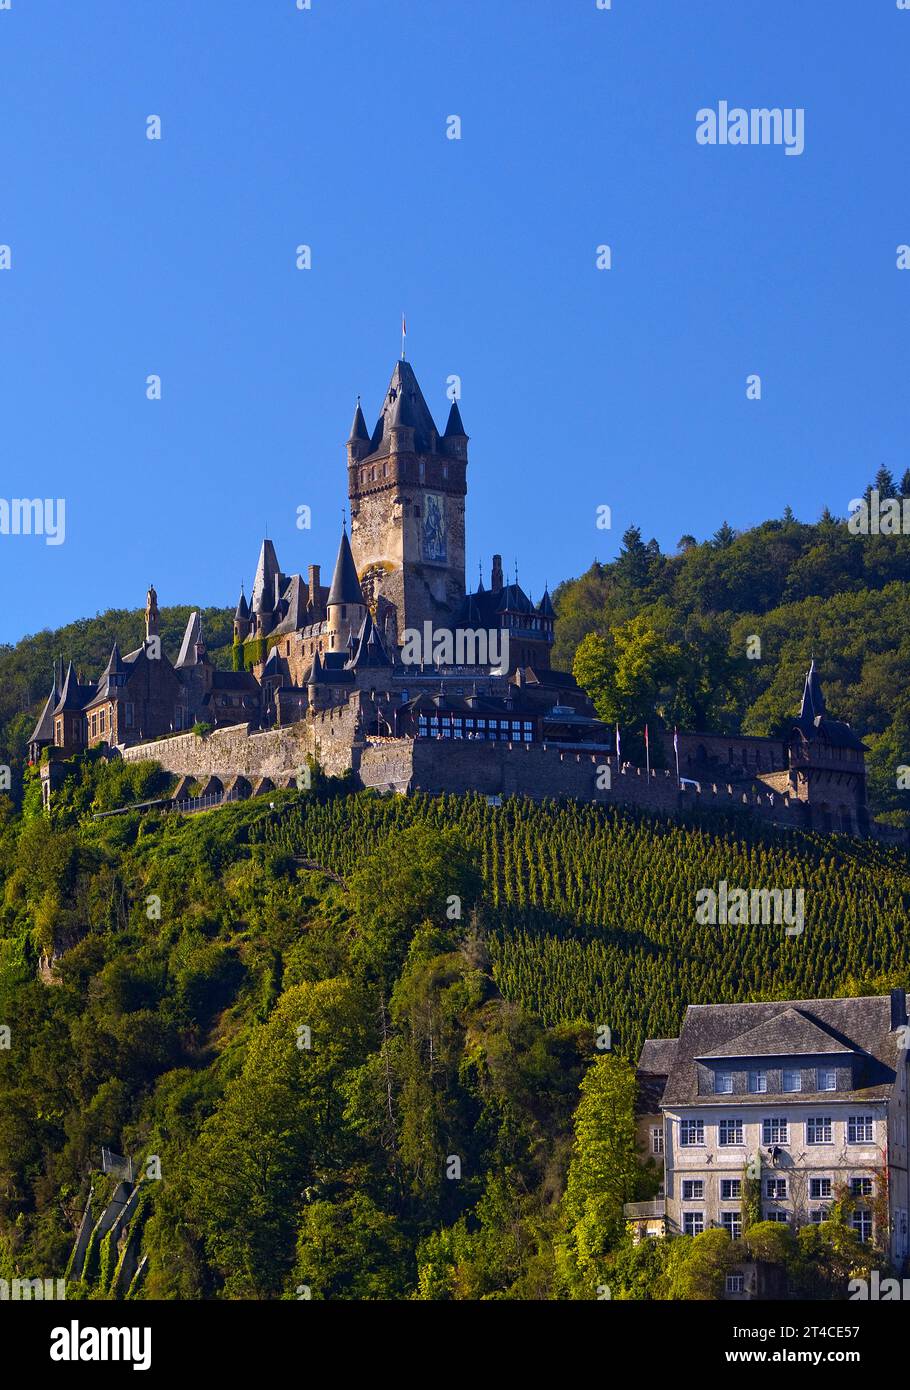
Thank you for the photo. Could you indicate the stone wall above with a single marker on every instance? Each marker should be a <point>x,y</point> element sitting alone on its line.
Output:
<point>538,771</point>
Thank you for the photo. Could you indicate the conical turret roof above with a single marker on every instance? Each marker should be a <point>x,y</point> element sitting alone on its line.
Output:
<point>454,427</point>
<point>359,429</point>
<point>345,584</point>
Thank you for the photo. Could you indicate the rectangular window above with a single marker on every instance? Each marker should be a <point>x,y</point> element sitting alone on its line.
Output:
<point>793,1081</point>
<point>529,738</point>
<point>818,1129</point>
<point>776,1188</point>
<point>128,714</point>
<point>827,1079</point>
<point>527,724</point>
<point>693,1189</point>
<point>859,1129</point>
<point>819,1187</point>
<point>94,725</point>
<point>776,1131</point>
<point>730,1189</point>
<point>736,1283</point>
<point>860,1187</point>
<point>693,1223</point>
<point>758,1082</point>
<point>724,1086</point>
<point>691,1132</point>
<point>729,1132</point>
<point>101,721</point>
<point>657,1139</point>
<point>861,1221</point>
<point>732,1222</point>
<point>776,1216</point>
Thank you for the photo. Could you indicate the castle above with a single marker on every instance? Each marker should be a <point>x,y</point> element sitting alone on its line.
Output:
<point>397,672</point>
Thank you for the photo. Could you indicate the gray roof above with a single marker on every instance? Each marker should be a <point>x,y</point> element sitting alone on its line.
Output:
<point>789,1034</point>
<point>44,729</point>
<point>785,1029</point>
<point>345,584</point>
<point>191,637</point>
<point>657,1056</point>
<point>359,427</point>
<point>454,427</point>
<point>262,599</point>
<point>404,405</point>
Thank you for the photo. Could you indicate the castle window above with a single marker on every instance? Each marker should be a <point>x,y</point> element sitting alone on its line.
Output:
<point>128,714</point>
<point>445,470</point>
<point>101,721</point>
<point>421,470</point>
<point>59,731</point>
<point>385,470</point>
<point>363,475</point>
<point>372,475</point>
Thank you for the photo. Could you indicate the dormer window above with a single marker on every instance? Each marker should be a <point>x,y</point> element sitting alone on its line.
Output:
<point>827,1079</point>
<point>758,1082</point>
<point>724,1083</point>
<point>792,1081</point>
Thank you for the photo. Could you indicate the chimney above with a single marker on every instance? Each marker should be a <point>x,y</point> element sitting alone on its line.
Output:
<point>496,583</point>
<point>898,1009</point>
<point>313,580</point>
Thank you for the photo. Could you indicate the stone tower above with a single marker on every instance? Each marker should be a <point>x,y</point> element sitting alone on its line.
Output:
<point>152,616</point>
<point>407,486</point>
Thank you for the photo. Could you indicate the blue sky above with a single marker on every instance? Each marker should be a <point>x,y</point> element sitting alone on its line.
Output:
<point>328,127</point>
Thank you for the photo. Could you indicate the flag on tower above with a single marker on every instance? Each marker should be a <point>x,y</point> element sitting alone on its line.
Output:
<point>404,334</point>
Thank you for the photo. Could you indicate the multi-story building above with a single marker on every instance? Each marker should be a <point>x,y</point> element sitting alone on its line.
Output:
<point>808,1099</point>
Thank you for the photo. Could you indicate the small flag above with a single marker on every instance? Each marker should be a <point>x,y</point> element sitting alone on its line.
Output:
<point>617,743</point>
<point>675,740</point>
<point>646,735</point>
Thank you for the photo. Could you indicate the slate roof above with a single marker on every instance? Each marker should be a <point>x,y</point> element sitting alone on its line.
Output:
<point>345,584</point>
<point>44,729</point>
<point>369,650</point>
<point>789,1034</point>
<point>263,596</point>
<point>359,427</point>
<point>73,695</point>
<point>813,722</point>
<point>404,405</point>
<point>658,1055</point>
<point>454,428</point>
<point>861,1026</point>
<point>191,637</point>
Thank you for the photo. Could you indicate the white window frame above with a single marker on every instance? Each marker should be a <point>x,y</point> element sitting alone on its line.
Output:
<point>823,1076</point>
<point>812,1122</point>
<point>685,1126</point>
<point>722,1088</point>
<point>723,1128</point>
<point>857,1122</point>
<point>693,1219</point>
<point>792,1074</point>
<point>775,1122</point>
<point>758,1083</point>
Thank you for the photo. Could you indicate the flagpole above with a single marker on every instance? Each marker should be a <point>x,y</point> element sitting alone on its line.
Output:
<point>647,753</point>
<point>676,751</point>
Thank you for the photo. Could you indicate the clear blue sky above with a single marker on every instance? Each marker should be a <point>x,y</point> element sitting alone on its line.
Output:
<point>580,387</point>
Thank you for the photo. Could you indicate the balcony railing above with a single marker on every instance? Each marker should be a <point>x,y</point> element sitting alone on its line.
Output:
<point>633,1211</point>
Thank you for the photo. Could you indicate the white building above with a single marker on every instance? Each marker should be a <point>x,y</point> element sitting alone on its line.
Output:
<point>806,1096</point>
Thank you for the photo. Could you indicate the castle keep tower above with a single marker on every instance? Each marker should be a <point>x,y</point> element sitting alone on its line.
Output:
<point>407,486</point>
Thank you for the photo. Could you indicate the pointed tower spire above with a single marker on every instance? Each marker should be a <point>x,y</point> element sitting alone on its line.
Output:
<point>813,706</point>
<point>345,584</point>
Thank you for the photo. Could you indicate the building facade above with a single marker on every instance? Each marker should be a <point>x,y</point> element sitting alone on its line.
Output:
<point>791,1104</point>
